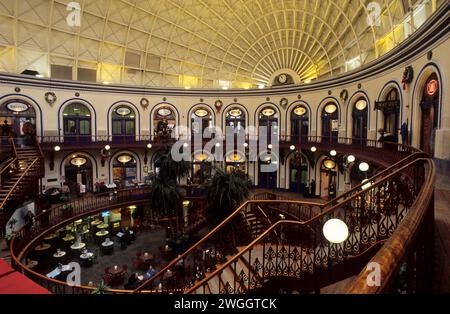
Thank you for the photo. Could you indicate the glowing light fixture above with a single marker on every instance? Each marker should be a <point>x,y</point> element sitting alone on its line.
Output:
<point>331,108</point>
<point>335,231</point>
<point>268,112</point>
<point>261,86</point>
<point>367,185</point>
<point>107,147</point>
<point>361,104</point>
<point>149,146</point>
<point>123,111</point>
<point>333,153</point>
<point>185,145</point>
<point>270,146</point>
<point>351,158</point>
<point>218,145</point>
<point>164,112</point>
<point>292,147</point>
<point>364,166</point>
<point>201,113</point>
<point>235,112</point>
<point>245,144</point>
<point>78,161</point>
<point>57,148</point>
<point>329,164</point>
<point>300,111</point>
<point>313,149</point>
<point>124,158</point>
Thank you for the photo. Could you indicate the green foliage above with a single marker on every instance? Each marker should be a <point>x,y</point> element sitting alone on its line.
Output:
<point>102,288</point>
<point>171,170</point>
<point>166,197</point>
<point>226,191</point>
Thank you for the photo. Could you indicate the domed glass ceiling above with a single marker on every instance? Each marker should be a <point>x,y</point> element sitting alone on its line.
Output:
<point>201,43</point>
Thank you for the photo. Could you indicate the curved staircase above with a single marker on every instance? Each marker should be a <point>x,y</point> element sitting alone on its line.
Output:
<point>19,178</point>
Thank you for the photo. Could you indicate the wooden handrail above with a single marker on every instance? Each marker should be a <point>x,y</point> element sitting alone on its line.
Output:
<point>305,223</point>
<point>229,218</point>
<point>18,181</point>
<point>392,254</point>
<point>14,156</point>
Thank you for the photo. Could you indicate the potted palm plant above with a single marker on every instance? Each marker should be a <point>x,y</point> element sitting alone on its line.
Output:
<point>225,192</point>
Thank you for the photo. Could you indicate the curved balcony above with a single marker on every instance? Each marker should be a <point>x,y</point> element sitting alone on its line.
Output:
<point>412,175</point>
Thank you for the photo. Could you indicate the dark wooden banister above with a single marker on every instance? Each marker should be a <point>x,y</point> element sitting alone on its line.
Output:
<point>14,156</point>
<point>394,251</point>
<point>430,182</point>
<point>18,181</point>
<point>229,218</point>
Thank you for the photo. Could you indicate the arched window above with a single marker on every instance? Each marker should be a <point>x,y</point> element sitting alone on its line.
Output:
<point>17,118</point>
<point>77,123</point>
<point>268,117</point>
<point>235,118</point>
<point>124,170</point>
<point>164,122</point>
<point>300,124</point>
<point>123,124</point>
<point>201,167</point>
<point>359,119</point>
<point>330,122</point>
<point>201,119</point>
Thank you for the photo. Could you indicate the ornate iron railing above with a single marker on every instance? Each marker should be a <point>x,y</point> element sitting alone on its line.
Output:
<point>298,250</point>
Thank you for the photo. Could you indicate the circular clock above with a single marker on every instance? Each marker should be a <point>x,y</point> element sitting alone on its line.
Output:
<point>282,78</point>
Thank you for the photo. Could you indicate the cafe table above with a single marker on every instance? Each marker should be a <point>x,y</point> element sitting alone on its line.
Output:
<point>102,233</point>
<point>42,247</point>
<point>50,237</point>
<point>96,222</point>
<point>68,238</point>
<point>78,246</point>
<point>59,254</point>
<point>102,226</point>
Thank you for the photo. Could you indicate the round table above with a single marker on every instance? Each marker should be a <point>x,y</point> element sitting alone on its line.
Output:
<point>59,254</point>
<point>146,257</point>
<point>42,247</point>
<point>115,270</point>
<point>87,255</point>
<point>31,264</point>
<point>78,246</point>
<point>50,237</point>
<point>96,222</point>
<point>102,233</point>
<point>107,244</point>
<point>68,238</point>
<point>102,226</point>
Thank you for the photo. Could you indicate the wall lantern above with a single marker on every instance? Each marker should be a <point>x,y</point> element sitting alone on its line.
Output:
<point>78,161</point>
<point>331,108</point>
<point>361,104</point>
<point>124,158</point>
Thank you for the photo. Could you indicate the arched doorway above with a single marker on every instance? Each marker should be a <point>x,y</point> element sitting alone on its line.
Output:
<point>201,119</point>
<point>298,175</point>
<point>123,124</point>
<point>17,119</point>
<point>390,107</point>
<point>267,179</point>
<point>359,120</point>
<point>268,117</point>
<point>328,178</point>
<point>430,114</point>
<point>235,161</point>
<point>77,124</point>
<point>124,170</point>
<point>330,122</point>
<point>164,122</point>
<point>300,124</point>
<point>78,169</point>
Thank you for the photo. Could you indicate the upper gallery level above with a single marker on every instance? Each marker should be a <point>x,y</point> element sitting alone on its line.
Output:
<point>388,94</point>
